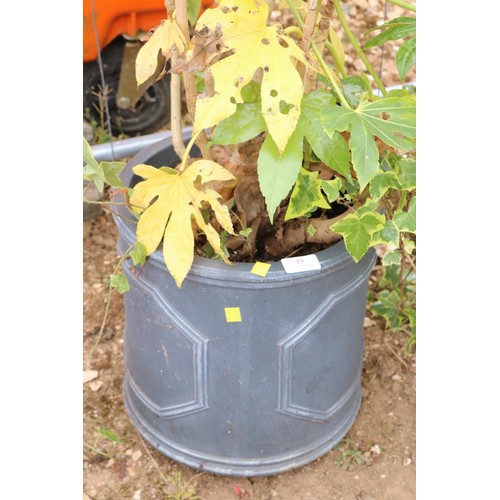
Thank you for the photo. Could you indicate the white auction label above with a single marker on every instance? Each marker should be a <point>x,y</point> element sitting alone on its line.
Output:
<point>301,264</point>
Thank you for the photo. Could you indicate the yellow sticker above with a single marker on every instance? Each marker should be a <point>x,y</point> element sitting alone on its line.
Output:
<point>233,314</point>
<point>260,269</point>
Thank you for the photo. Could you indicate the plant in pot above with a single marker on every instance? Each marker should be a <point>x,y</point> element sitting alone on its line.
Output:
<point>246,242</point>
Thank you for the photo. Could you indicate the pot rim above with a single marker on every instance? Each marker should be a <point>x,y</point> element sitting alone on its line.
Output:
<point>331,258</point>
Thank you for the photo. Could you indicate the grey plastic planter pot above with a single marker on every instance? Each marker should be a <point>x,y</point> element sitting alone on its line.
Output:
<point>256,397</point>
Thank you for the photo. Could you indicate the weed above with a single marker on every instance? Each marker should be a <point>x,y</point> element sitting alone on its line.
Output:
<point>351,454</point>
<point>180,490</point>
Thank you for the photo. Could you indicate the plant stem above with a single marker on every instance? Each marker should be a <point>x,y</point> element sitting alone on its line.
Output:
<point>318,55</point>
<point>189,78</point>
<point>402,3</point>
<point>175,94</point>
<point>307,34</point>
<point>357,48</point>
<point>296,13</point>
<point>309,24</point>
<point>188,148</point>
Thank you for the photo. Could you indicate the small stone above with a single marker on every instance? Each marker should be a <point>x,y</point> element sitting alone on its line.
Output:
<point>137,495</point>
<point>95,385</point>
<point>368,322</point>
<point>91,193</point>
<point>136,455</point>
<point>406,462</point>
<point>375,449</point>
<point>274,493</point>
<point>396,377</point>
<point>382,476</point>
<point>86,497</point>
<point>89,375</point>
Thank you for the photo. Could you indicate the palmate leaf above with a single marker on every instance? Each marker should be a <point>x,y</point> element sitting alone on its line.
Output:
<point>100,173</point>
<point>169,201</point>
<point>92,171</point>
<point>252,45</point>
<point>358,231</point>
<point>331,150</point>
<point>392,120</point>
<point>306,195</point>
<point>407,221</point>
<point>407,173</point>
<point>166,36</point>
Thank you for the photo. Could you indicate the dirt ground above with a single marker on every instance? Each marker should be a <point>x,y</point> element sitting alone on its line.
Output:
<point>376,460</point>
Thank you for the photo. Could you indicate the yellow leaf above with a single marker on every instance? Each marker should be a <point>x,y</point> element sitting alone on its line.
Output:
<point>169,200</point>
<point>166,36</point>
<point>251,45</point>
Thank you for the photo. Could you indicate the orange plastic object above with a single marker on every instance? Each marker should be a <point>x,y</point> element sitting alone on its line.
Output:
<point>121,17</point>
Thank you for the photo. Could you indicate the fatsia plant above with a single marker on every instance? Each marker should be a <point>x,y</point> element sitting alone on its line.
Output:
<point>297,153</point>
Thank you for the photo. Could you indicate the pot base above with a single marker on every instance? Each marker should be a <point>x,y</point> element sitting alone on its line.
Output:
<point>241,467</point>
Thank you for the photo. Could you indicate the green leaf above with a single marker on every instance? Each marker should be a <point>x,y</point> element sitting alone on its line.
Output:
<point>396,29</point>
<point>388,307</point>
<point>369,206</point>
<point>332,189</point>
<point>245,232</point>
<point>306,195</point>
<point>109,434</point>
<point>139,254</point>
<point>353,87</point>
<point>193,10</point>
<point>406,57</point>
<point>358,231</point>
<point>407,221</point>
<point>390,119</point>
<point>391,258</point>
<point>278,172</point>
<point>119,282</point>
<point>92,171</point>
<point>388,235</point>
<point>112,170</point>
<point>408,174</point>
<point>246,123</point>
<point>390,277</point>
<point>332,151</point>
<point>381,183</point>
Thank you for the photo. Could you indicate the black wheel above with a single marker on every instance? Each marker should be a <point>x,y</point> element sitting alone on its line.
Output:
<point>150,113</point>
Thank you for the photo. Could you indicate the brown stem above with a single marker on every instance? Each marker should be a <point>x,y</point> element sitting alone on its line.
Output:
<point>295,234</point>
<point>324,25</point>
<point>189,78</point>
<point>308,31</point>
